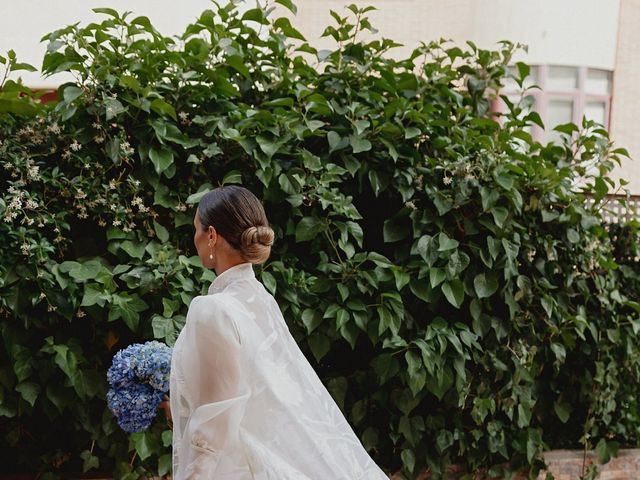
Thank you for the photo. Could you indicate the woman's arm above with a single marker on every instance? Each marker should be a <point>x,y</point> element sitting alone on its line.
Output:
<point>216,381</point>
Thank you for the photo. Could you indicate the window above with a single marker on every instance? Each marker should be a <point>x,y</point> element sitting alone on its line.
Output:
<point>567,94</point>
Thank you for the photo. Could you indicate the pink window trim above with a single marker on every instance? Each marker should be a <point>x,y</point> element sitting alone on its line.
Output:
<point>542,96</point>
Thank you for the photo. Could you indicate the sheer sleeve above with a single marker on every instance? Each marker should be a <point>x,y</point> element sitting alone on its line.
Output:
<point>216,379</point>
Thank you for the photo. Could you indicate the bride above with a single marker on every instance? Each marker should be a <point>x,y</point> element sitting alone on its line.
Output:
<point>245,402</point>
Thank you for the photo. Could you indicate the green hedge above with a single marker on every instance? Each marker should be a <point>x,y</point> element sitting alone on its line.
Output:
<point>445,272</point>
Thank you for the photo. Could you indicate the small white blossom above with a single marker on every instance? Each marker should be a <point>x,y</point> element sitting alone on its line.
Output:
<point>34,172</point>
<point>447,180</point>
<point>183,116</point>
<point>26,248</point>
<point>43,295</point>
<point>116,223</point>
<point>98,139</point>
<point>81,314</point>
<point>410,205</point>
<point>54,128</point>
<point>80,194</point>
<point>112,184</point>
<point>16,204</point>
<point>126,148</point>
<point>75,146</point>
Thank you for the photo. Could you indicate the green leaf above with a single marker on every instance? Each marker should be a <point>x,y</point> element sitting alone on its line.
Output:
<point>143,444</point>
<point>601,189</point>
<point>161,232</point>
<point>411,132</point>
<point>437,276</point>
<point>563,410</point>
<point>500,215</point>
<point>394,232</point>
<point>308,228</point>
<point>70,93</point>
<point>113,108</point>
<point>232,177</point>
<point>289,4</point>
<point>454,292</point>
<point>89,461</point>
<point>107,11</point>
<point>444,440</point>
<point>163,108</point>
<point>269,282</point>
<point>319,345</point>
<point>311,319</point>
<point>134,249</point>
<point>408,459</point>
<point>255,15</point>
<point>162,159</point>
<point>359,144</point>
<point>441,382</point>
<point>445,243</point>
<point>29,391</point>
<point>485,284</point>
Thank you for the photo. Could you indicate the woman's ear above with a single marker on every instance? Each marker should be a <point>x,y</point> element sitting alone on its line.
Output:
<point>213,235</point>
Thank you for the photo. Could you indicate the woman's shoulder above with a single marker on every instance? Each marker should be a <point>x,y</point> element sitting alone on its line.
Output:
<point>215,308</point>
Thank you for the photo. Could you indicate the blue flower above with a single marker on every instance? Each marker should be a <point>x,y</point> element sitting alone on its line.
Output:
<point>139,377</point>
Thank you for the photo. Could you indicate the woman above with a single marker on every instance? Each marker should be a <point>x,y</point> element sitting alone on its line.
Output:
<point>245,402</point>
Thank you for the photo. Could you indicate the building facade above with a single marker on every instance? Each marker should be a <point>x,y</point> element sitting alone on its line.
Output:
<point>584,53</point>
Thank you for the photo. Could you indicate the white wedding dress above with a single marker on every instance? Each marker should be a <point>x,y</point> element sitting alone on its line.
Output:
<point>246,404</point>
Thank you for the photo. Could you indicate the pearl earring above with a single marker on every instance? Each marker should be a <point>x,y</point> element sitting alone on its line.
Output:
<point>210,253</point>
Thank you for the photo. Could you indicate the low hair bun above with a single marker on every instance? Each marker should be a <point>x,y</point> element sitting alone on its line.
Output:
<point>256,243</point>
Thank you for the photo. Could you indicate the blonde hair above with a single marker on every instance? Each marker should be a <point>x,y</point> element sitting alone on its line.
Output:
<point>239,217</point>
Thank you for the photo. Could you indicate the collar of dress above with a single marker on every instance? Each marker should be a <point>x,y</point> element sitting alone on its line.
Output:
<point>237,272</point>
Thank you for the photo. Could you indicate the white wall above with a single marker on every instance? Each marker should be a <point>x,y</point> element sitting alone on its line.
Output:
<point>564,32</point>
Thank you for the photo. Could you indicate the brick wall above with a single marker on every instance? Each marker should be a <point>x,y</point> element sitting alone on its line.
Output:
<point>570,465</point>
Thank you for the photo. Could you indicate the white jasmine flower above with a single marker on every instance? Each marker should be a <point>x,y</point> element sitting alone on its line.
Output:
<point>447,180</point>
<point>75,146</point>
<point>34,172</point>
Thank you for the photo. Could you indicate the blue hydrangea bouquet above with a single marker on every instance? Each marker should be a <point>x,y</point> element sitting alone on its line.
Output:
<point>139,379</point>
